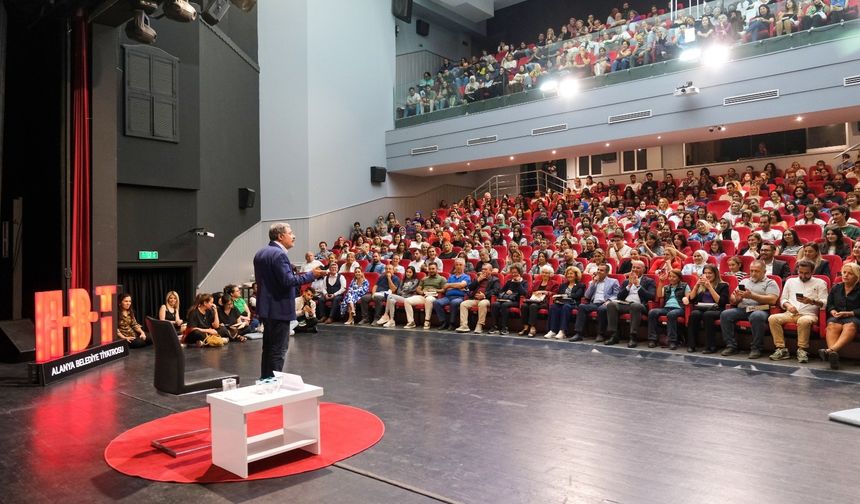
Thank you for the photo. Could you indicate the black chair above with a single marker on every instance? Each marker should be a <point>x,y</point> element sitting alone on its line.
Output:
<point>170,375</point>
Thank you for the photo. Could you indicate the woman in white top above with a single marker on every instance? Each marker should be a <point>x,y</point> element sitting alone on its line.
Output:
<point>810,216</point>
<point>726,232</point>
<point>597,259</point>
<point>350,263</point>
<point>700,259</point>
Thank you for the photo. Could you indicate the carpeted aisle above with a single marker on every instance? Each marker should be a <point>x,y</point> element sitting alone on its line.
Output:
<point>345,431</point>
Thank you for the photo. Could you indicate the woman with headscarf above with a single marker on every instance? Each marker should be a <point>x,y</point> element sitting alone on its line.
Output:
<point>703,232</point>
<point>700,259</point>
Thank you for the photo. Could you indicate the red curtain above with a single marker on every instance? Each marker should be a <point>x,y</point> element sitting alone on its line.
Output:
<point>81,242</point>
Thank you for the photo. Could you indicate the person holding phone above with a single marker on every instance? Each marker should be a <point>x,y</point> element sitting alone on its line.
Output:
<point>803,297</point>
<point>708,298</point>
<point>752,299</point>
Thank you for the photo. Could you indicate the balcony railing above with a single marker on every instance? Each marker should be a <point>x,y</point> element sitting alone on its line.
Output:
<point>520,183</point>
<point>504,95</point>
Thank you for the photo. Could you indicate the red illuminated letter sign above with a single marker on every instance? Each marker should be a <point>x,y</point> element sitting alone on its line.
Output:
<point>49,325</point>
<point>105,294</point>
<point>50,321</point>
<point>80,320</point>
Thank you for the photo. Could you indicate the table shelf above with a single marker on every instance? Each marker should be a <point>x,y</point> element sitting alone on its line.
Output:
<point>275,442</point>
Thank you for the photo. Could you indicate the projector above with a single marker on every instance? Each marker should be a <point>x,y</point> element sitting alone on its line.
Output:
<point>686,89</point>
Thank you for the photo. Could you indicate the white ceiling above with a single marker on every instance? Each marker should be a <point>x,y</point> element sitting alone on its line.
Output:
<point>476,10</point>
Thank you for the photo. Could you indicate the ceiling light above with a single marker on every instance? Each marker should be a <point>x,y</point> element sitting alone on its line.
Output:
<point>553,152</point>
<point>431,168</point>
<point>659,137</point>
<point>468,164</point>
<point>798,118</point>
<point>607,144</point>
<point>512,158</point>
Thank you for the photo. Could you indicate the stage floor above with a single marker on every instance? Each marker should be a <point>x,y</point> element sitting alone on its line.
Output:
<point>474,419</point>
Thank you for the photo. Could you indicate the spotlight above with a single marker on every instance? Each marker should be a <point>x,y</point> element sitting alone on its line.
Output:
<point>553,152</point>
<point>430,169</point>
<point>798,118</point>
<point>202,232</point>
<point>244,5</point>
<point>179,10</point>
<point>716,56</point>
<point>568,88</point>
<point>138,28</point>
<point>511,158</point>
<point>549,86</point>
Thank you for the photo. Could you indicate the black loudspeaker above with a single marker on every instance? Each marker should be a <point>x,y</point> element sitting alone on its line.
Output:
<point>377,174</point>
<point>17,341</point>
<point>402,9</point>
<point>422,28</point>
<point>247,196</point>
<point>216,10</point>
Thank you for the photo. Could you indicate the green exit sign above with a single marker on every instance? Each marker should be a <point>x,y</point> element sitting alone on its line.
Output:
<point>147,255</point>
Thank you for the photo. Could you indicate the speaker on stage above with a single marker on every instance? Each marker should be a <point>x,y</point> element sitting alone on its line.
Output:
<point>247,196</point>
<point>402,9</point>
<point>422,27</point>
<point>17,341</point>
<point>377,174</point>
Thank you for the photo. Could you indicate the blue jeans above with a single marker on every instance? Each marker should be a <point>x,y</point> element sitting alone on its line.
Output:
<point>672,316</point>
<point>439,308</point>
<point>559,316</point>
<point>621,64</point>
<point>757,319</point>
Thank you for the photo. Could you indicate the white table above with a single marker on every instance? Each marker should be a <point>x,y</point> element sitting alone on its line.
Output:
<point>233,450</point>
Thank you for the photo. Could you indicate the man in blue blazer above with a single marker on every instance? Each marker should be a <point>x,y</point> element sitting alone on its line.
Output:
<point>277,289</point>
<point>633,298</point>
<point>599,293</point>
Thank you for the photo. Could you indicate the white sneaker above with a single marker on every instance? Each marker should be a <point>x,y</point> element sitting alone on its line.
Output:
<point>426,325</point>
<point>560,335</point>
<point>462,328</point>
<point>549,335</point>
<point>382,320</point>
<point>479,329</point>
<point>410,325</point>
<point>390,323</point>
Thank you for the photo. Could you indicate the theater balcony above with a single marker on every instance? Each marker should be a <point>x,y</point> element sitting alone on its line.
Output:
<point>760,88</point>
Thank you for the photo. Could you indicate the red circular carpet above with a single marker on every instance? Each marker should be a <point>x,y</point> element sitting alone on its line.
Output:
<point>344,431</point>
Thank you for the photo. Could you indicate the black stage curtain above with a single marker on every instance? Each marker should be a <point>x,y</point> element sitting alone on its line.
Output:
<point>149,287</point>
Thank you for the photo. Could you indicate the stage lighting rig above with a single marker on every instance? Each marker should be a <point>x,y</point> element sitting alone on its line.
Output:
<point>179,10</point>
<point>139,29</point>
